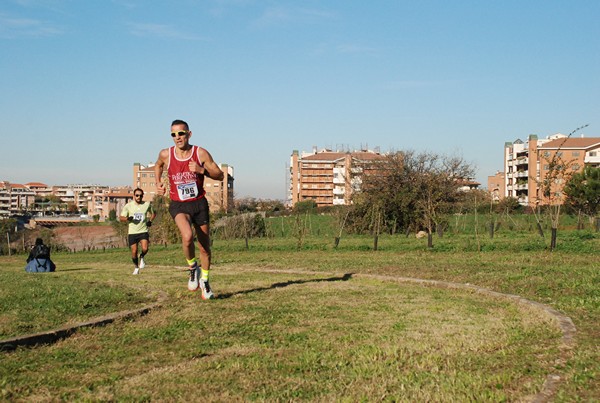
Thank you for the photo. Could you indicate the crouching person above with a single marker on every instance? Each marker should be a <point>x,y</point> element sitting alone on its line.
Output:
<point>39,260</point>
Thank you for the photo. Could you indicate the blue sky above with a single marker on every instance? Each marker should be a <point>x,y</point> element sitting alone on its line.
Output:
<point>90,87</point>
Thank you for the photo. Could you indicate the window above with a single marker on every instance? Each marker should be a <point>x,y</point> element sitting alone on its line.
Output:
<point>575,153</point>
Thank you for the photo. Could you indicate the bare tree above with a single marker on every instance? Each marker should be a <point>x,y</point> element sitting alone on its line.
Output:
<point>559,172</point>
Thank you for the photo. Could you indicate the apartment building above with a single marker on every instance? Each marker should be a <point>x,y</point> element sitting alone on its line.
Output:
<point>15,198</point>
<point>527,165</point>
<point>495,185</point>
<point>328,177</point>
<point>96,200</point>
<point>78,195</point>
<point>101,201</point>
<point>218,193</point>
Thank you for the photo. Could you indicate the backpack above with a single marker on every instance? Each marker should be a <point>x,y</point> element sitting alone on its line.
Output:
<point>41,252</point>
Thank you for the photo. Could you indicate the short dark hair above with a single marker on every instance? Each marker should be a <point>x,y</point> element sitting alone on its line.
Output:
<point>180,122</point>
<point>138,190</point>
<point>39,241</point>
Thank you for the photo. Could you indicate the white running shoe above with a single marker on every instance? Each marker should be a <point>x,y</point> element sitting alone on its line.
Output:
<point>206,291</point>
<point>136,271</point>
<point>142,263</point>
<point>194,277</point>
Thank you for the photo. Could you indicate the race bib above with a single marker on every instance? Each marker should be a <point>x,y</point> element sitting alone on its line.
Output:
<point>139,217</point>
<point>187,191</point>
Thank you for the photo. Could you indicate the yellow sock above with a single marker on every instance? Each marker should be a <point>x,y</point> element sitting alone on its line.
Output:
<point>191,262</point>
<point>204,274</point>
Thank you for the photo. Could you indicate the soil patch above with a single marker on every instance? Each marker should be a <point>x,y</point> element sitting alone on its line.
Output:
<point>89,237</point>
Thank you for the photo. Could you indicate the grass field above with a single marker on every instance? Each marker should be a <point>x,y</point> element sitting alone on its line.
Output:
<point>314,323</point>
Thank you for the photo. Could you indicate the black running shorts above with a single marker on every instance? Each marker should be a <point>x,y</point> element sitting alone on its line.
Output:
<point>135,238</point>
<point>196,209</point>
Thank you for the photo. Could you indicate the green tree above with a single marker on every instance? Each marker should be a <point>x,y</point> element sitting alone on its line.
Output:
<point>305,206</point>
<point>409,190</point>
<point>583,192</point>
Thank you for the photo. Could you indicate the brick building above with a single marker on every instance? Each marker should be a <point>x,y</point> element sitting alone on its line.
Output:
<point>328,177</point>
<point>527,165</point>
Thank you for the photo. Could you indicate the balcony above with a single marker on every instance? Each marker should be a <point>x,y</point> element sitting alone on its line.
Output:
<point>592,159</point>
<point>522,161</point>
<point>522,174</point>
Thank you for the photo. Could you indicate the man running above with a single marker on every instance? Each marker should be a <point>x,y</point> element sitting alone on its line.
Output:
<point>140,215</point>
<point>186,167</point>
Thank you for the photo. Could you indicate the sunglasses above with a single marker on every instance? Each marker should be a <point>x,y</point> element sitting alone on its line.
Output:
<point>138,195</point>
<point>179,134</point>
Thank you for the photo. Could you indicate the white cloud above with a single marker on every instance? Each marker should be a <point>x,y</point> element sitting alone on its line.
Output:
<point>285,15</point>
<point>161,31</point>
<point>352,48</point>
<point>14,27</point>
<point>405,84</point>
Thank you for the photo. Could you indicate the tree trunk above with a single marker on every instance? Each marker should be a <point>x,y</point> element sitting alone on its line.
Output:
<point>540,230</point>
<point>491,230</point>
<point>553,239</point>
<point>375,239</point>
<point>440,230</point>
<point>597,224</point>
<point>429,240</point>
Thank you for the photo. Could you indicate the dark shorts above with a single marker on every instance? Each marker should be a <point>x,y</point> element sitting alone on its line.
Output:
<point>196,209</point>
<point>135,238</point>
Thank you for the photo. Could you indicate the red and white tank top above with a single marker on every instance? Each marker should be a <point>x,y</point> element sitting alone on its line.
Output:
<point>184,185</point>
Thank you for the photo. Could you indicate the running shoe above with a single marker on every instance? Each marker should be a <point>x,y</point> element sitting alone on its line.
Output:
<point>142,263</point>
<point>136,271</point>
<point>194,277</point>
<point>206,291</point>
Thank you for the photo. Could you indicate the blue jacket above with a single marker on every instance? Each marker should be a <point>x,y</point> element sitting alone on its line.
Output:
<point>40,265</point>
